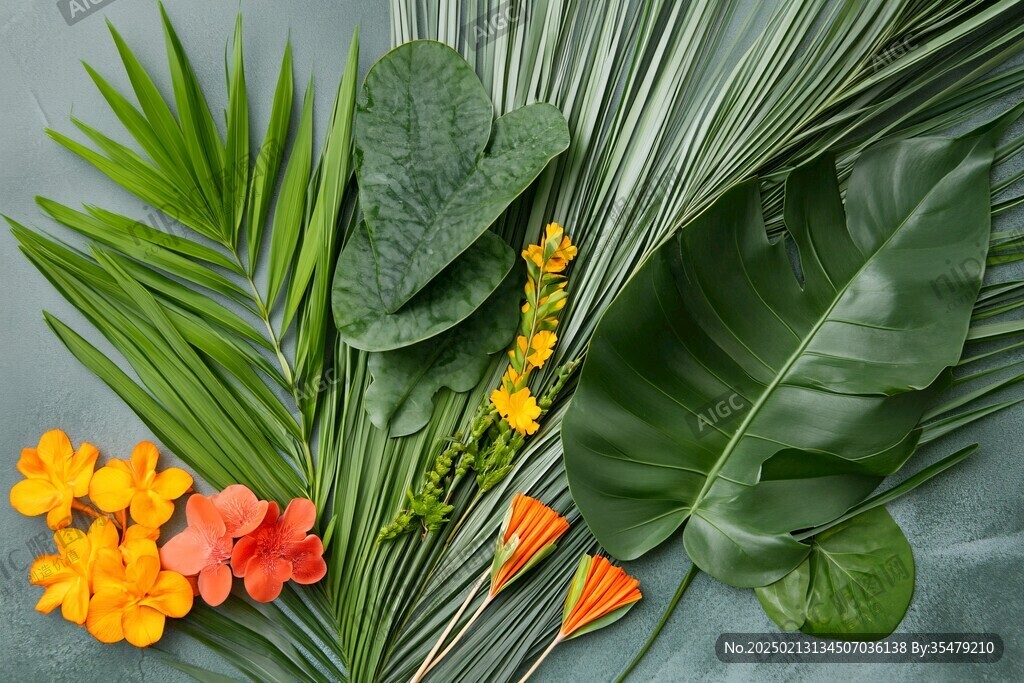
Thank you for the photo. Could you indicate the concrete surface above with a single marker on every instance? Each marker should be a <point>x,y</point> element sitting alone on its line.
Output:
<point>966,529</point>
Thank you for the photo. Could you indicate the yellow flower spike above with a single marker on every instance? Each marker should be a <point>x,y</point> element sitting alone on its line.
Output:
<point>133,600</point>
<point>67,576</point>
<point>137,484</point>
<point>55,474</point>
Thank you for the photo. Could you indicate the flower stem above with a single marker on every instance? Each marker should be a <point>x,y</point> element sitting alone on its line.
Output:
<point>687,580</point>
<point>462,631</point>
<point>426,665</point>
<point>542,657</point>
<point>90,511</point>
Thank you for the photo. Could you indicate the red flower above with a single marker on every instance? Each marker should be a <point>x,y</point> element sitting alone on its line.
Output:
<point>279,549</point>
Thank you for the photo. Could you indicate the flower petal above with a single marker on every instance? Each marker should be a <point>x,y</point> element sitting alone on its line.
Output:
<point>204,517</point>
<point>149,509</point>
<point>144,458</point>
<point>308,564</point>
<point>215,584</point>
<point>111,488</point>
<point>172,483</point>
<point>108,571</point>
<point>105,611</point>
<point>241,510</point>
<point>244,550</point>
<point>76,602</point>
<point>133,549</point>
<point>55,450</point>
<point>102,534</point>
<point>60,516</point>
<point>31,465</point>
<point>143,572</point>
<point>264,580</point>
<point>33,497</point>
<point>171,594</point>
<point>81,469</point>
<point>298,518</point>
<point>53,596</point>
<point>143,626</point>
<point>187,553</point>
<point>141,531</point>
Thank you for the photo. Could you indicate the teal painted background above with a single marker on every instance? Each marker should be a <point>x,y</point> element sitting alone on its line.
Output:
<point>967,529</point>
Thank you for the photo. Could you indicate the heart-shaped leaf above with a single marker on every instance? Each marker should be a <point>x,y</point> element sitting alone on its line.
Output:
<point>448,300</point>
<point>811,389</point>
<point>432,173</point>
<point>856,583</point>
<point>405,380</point>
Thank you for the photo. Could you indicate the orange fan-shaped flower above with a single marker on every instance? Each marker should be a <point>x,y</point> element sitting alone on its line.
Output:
<point>599,595</point>
<point>599,590</point>
<point>527,537</point>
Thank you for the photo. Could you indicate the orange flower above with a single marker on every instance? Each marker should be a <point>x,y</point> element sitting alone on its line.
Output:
<point>55,474</point>
<point>138,540</point>
<point>600,594</point>
<point>542,344</point>
<point>527,537</point>
<point>520,409</point>
<point>132,601</point>
<point>67,577</point>
<point>121,483</point>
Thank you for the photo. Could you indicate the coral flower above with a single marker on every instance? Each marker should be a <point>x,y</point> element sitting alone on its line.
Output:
<point>519,409</point>
<point>55,474</point>
<point>528,536</point>
<point>136,483</point>
<point>280,549</point>
<point>67,576</point>
<point>132,602</point>
<point>204,548</point>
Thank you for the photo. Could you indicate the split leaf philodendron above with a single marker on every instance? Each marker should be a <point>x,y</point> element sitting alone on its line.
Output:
<point>834,367</point>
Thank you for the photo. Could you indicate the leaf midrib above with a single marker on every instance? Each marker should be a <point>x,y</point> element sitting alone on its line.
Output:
<point>769,390</point>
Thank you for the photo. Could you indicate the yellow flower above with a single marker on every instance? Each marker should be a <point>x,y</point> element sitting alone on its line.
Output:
<point>542,344</point>
<point>535,254</point>
<point>133,601</point>
<point>520,409</point>
<point>138,540</point>
<point>565,251</point>
<point>55,474</point>
<point>136,483</point>
<point>67,576</point>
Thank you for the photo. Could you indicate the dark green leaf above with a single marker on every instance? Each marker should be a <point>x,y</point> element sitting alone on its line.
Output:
<point>715,359</point>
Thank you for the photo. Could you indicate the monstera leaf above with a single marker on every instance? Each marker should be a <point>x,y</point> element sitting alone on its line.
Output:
<point>856,582</point>
<point>724,391</point>
<point>435,170</point>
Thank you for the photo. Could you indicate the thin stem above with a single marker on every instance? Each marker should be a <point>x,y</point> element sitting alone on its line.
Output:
<point>687,580</point>
<point>426,665</point>
<point>90,511</point>
<point>462,632</point>
<point>286,370</point>
<point>542,657</point>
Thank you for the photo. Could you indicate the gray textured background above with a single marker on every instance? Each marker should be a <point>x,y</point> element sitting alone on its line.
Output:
<point>966,529</point>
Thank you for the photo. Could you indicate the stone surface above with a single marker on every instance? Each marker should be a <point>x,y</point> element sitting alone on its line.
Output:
<point>966,528</point>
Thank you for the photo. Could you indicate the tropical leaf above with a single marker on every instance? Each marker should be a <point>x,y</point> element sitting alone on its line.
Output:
<point>405,380</point>
<point>856,582</point>
<point>435,170</point>
<point>829,371</point>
